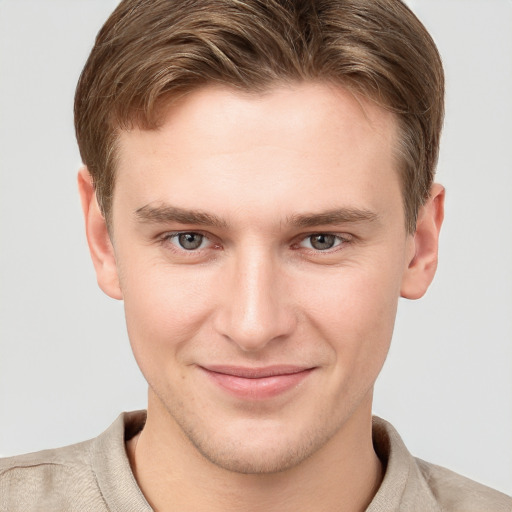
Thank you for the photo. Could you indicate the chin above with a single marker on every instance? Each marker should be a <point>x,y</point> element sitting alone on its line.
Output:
<point>257,449</point>
<point>254,460</point>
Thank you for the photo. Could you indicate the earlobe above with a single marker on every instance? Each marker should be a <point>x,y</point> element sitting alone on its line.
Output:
<point>422,264</point>
<point>100,245</point>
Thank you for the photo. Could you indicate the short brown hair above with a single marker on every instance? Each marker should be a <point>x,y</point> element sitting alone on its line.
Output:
<point>150,51</point>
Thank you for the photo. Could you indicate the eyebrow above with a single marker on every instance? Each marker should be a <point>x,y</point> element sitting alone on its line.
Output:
<point>168,213</point>
<point>335,216</point>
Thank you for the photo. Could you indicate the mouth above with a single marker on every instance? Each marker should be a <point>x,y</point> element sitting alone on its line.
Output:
<point>256,383</point>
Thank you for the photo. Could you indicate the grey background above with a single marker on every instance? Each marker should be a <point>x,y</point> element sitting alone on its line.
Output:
<point>66,368</point>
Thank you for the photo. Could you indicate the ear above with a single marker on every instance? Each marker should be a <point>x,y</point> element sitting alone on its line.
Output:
<point>100,245</point>
<point>424,246</point>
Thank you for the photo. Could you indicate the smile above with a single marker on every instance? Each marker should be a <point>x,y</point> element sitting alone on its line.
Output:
<point>257,383</point>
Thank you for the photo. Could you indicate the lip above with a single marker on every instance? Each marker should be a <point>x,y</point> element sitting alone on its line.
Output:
<point>256,383</point>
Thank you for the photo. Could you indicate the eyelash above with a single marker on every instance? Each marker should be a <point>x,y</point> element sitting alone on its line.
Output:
<point>166,239</point>
<point>343,241</point>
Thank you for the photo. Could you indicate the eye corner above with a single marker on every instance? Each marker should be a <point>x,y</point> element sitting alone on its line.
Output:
<point>323,242</point>
<point>188,242</point>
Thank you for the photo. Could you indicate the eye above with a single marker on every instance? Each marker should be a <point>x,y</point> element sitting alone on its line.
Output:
<point>321,241</point>
<point>188,241</point>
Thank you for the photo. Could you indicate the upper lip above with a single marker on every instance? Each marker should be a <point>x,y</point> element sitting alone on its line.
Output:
<point>256,373</point>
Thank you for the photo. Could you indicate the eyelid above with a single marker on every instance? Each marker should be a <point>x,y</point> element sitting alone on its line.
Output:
<point>169,235</point>
<point>344,238</point>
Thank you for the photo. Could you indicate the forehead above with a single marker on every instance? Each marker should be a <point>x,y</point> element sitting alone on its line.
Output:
<point>321,106</point>
<point>286,145</point>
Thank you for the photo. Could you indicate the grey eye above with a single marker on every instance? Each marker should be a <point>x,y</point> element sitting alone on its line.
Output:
<point>322,242</point>
<point>190,241</point>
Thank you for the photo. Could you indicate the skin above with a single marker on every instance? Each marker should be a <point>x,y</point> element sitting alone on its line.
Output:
<point>257,293</point>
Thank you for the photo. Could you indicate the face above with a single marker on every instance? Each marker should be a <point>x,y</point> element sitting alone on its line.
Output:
<point>260,246</point>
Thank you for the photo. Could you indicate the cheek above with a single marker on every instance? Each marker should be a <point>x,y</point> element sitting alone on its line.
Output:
<point>349,295</point>
<point>354,311</point>
<point>164,308</point>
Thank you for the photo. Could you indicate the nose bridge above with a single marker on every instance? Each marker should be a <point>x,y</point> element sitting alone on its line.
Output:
<point>255,308</point>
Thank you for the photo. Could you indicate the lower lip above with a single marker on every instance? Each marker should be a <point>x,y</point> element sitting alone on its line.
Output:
<point>257,389</point>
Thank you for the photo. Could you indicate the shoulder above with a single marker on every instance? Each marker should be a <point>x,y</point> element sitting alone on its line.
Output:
<point>61,477</point>
<point>92,475</point>
<point>456,493</point>
<point>412,484</point>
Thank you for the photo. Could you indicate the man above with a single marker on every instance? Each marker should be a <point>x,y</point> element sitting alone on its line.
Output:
<point>259,191</point>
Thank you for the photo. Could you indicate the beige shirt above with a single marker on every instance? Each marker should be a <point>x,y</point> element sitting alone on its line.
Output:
<point>95,476</point>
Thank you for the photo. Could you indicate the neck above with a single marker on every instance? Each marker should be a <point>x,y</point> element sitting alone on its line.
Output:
<point>342,475</point>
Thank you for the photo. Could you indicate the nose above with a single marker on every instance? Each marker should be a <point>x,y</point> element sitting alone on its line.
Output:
<point>255,307</point>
